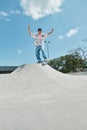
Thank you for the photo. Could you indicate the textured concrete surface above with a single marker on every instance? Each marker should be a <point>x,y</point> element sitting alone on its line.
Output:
<point>37,97</point>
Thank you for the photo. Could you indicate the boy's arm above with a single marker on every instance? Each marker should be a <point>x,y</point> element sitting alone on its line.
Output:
<point>50,32</point>
<point>30,33</point>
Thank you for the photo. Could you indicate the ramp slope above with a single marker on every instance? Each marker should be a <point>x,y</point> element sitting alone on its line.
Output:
<point>37,97</point>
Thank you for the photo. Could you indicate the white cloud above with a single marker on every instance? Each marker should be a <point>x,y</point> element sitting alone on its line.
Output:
<point>72,32</point>
<point>19,51</point>
<point>40,8</point>
<point>3,13</point>
<point>12,12</point>
<point>15,12</point>
<point>61,37</point>
<point>6,15</point>
<point>8,20</point>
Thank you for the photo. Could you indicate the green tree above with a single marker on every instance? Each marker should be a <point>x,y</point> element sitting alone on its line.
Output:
<point>82,51</point>
<point>69,63</point>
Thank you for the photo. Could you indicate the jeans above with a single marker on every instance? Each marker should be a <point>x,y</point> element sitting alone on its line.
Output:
<point>38,49</point>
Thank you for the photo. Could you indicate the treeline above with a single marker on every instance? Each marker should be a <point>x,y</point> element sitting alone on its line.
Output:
<point>75,60</point>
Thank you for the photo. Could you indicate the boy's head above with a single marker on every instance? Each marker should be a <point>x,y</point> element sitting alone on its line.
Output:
<point>39,30</point>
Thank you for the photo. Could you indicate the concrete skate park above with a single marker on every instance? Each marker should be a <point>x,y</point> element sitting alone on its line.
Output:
<point>36,97</point>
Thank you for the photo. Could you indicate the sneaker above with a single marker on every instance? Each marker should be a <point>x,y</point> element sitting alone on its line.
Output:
<point>39,62</point>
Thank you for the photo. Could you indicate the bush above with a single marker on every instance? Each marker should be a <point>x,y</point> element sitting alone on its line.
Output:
<point>68,63</point>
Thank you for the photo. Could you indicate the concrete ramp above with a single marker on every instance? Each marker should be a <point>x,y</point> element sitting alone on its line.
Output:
<point>37,97</point>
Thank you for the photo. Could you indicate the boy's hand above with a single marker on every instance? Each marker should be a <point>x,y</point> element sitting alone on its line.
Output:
<point>52,30</point>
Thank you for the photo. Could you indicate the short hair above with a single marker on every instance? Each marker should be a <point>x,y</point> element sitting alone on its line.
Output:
<point>39,29</point>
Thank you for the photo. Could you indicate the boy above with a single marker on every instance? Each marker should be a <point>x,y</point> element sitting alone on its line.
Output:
<point>39,38</point>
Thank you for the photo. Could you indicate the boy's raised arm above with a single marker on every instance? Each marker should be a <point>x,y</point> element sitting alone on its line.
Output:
<point>50,32</point>
<point>29,30</point>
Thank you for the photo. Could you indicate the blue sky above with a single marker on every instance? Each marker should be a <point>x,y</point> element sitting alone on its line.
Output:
<point>67,17</point>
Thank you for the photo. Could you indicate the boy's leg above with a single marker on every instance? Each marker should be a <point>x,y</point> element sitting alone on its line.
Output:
<point>43,53</point>
<point>38,53</point>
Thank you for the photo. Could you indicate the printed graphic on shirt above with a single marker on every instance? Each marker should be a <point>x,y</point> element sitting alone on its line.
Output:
<point>39,39</point>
